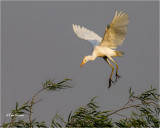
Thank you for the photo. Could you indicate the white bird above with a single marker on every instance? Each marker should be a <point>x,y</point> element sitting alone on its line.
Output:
<point>114,36</point>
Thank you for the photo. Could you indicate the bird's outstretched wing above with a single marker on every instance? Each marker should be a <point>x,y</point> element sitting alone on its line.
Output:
<point>88,35</point>
<point>115,32</point>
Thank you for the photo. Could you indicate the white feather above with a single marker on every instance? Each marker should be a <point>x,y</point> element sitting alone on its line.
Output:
<point>88,35</point>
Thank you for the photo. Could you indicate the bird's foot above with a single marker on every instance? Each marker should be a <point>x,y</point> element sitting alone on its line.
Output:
<point>110,83</point>
<point>117,76</point>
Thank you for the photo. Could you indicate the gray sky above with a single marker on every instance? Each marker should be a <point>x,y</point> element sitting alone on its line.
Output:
<point>38,43</point>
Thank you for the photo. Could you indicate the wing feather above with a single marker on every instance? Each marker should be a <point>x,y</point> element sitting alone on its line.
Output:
<point>116,31</point>
<point>87,35</point>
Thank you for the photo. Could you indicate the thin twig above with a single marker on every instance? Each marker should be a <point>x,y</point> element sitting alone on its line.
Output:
<point>122,115</point>
<point>30,109</point>
<point>123,108</point>
<point>127,103</point>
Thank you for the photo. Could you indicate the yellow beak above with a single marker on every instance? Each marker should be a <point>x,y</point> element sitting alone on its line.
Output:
<point>82,64</point>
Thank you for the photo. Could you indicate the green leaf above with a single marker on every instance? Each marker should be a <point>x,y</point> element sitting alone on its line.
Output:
<point>131,95</point>
<point>69,116</point>
<point>5,125</point>
<point>130,91</point>
<point>58,125</point>
<point>154,95</point>
<point>16,105</point>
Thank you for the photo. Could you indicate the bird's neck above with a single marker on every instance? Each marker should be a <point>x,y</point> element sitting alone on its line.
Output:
<point>92,57</point>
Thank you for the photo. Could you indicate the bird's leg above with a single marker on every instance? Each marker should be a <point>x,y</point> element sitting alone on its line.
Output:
<point>110,78</point>
<point>117,76</point>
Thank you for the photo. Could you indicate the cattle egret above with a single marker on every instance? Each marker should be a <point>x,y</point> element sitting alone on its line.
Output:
<point>114,36</point>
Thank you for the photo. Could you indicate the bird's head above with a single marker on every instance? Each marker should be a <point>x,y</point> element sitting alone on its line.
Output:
<point>85,60</point>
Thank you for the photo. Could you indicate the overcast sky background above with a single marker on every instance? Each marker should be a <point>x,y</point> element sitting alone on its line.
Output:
<point>38,43</point>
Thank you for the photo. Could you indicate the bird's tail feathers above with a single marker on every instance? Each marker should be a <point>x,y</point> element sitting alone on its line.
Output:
<point>119,53</point>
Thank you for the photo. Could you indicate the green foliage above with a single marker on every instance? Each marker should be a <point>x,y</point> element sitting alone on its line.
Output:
<point>24,124</point>
<point>15,115</point>
<point>142,111</point>
<point>89,116</point>
<point>146,110</point>
<point>26,108</point>
<point>49,85</point>
<point>58,121</point>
